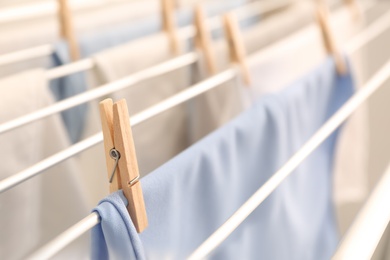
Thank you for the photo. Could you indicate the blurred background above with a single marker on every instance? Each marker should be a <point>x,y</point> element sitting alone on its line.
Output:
<point>35,36</point>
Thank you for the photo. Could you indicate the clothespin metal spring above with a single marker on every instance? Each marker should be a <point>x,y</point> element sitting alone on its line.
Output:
<point>115,155</point>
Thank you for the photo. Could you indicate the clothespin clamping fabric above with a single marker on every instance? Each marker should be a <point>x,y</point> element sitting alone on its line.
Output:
<point>66,29</point>
<point>329,41</point>
<point>169,26</point>
<point>236,45</point>
<point>121,159</point>
<point>203,39</point>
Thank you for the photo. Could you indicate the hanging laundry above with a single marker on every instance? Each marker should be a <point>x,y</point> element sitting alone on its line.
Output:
<point>94,42</point>
<point>35,211</point>
<point>189,197</point>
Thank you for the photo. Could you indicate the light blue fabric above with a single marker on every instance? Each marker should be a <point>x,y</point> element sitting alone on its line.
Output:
<point>193,194</point>
<point>66,87</point>
<point>91,43</point>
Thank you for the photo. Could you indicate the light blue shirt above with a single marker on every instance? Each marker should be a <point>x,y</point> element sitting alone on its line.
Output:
<point>192,195</point>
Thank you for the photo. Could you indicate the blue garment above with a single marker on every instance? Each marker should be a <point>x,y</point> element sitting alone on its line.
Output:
<point>189,197</point>
<point>66,87</point>
<point>92,43</point>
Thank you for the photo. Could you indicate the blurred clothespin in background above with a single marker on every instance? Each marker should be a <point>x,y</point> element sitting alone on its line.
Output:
<point>169,23</point>
<point>356,11</point>
<point>121,160</point>
<point>322,15</point>
<point>236,45</point>
<point>66,29</point>
<point>203,39</point>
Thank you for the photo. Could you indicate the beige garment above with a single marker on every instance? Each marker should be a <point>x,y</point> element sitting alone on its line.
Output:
<point>218,106</point>
<point>39,209</point>
<point>276,26</point>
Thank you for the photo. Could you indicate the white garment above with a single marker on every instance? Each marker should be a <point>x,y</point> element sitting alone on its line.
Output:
<point>39,209</point>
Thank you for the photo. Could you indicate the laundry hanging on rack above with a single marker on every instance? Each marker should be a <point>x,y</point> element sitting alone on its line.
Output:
<point>193,194</point>
<point>98,41</point>
<point>34,212</point>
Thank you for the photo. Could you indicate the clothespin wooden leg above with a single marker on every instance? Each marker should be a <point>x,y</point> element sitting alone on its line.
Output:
<point>118,138</point>
<point>66,28</point>
<point>169,26</point>
<point>236,44</point>
<point>203,39</point>
<point>329,42</point>
<point>107,119</point>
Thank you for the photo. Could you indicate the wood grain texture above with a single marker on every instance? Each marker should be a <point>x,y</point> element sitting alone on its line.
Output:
<point>107,120</point>
<point>203,39</point>
<point>66,29</point>
<point>169,24</point>
<point>328,39</point>
<point>236,45</point>
<point>128,166</point>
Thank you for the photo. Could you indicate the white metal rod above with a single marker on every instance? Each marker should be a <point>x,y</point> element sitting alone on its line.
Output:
<point>297,39</point>
<point>374,30</point>
<point>71,234</point>
<point>112,87</point>
<point>32,53</point>
<point>363,237</point>
<point>49,162</point>
<point>30,11</point>
<point>264,191</point>
<point>71,68</point>
<point>184,33</point>
<point>79,147</point>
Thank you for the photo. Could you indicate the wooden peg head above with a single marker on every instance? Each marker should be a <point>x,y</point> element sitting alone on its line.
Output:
<point>169,24</point>
<point>107,120</point>
<point>67,30</point>
<point>203,39</point>
<point>328,39</point>
<point>236,45</point>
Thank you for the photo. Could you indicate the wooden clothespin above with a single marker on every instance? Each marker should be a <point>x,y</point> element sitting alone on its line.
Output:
<point>329,42</point>
<point>236,45</point>
<point>121,159</point>
<point>169,26</point>
<point>203,39</point>
<point>66,29</point>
